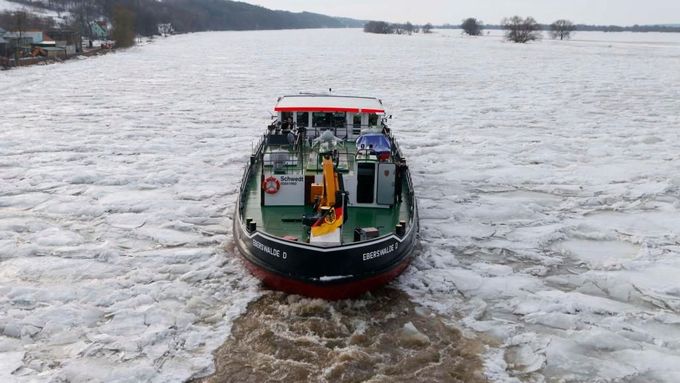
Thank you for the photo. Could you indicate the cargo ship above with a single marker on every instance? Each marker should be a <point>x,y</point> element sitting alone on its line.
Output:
<point>326,206</point>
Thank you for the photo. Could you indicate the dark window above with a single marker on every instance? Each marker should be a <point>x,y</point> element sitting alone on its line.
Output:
<point>303,119</point>
<point>322,119</point>
<point>372,119</point>
<point>339,119</point>
<point>357,121</point>
<point>286,121</point>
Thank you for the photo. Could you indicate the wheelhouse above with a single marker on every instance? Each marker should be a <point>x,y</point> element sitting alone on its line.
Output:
<point>345,116</point>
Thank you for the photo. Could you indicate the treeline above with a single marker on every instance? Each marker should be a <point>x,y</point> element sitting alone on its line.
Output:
<point>55,5</point>
<point>383,27</point>
<point>524,29</point>
<point>13,20</point>
<point>634,28</point>
<point>195,15</point>
<point>586,28</point>
<point>521,29</point>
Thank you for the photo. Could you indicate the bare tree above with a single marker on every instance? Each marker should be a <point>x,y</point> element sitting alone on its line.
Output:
<point>561,29</point>
<point>20,21</point>
<point>521,30</point>
<point>378,27</point>
<point>427,28</point>
<point>383,27</point>
<point>408,27</point>
<point>472,26</point>
<point>83,14</point>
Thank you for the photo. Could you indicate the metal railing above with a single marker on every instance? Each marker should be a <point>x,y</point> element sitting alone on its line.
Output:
<point>247,173</point>
<point>340,130</point>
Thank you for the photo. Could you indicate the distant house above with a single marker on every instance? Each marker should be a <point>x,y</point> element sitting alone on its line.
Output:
<point>54,43</point>
<point>165,29</point>
<point>45,42</point>
<point>35,37</point>
<point>55,52</point>
<point>19,42</point>
<point>28,39</point>
<point>99,30</point>
<point>68,39</point>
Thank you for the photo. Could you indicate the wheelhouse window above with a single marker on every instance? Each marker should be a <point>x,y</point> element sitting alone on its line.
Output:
<point>372,119</point>
<point>322,119</point>
<point>357,121</point>
<point>329,120</point>
<point>286,121</point>
<point>303,119</point>
<point>339,119</point>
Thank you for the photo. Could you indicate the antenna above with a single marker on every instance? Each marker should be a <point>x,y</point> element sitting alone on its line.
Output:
<point>330,90</point>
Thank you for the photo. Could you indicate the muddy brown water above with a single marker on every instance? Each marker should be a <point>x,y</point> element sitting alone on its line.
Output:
<point>381,337</point>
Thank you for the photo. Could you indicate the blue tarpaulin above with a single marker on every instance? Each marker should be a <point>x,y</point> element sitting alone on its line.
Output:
<point>379,141</point>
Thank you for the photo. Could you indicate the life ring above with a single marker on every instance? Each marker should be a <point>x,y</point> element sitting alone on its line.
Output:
<point>271,185</point>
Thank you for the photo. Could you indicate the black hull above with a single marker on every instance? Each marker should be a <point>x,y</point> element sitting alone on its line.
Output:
<point>326,272</point>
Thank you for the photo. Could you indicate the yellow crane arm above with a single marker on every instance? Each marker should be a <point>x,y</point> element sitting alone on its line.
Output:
<point>330,181</point>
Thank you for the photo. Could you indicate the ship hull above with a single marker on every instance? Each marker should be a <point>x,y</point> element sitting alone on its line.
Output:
<point>336,272</point>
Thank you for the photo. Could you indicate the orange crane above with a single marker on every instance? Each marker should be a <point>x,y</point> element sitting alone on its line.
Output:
<point>330,214</point>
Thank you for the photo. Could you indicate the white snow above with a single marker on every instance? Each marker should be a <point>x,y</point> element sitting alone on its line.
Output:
<point>546,175</point>
<point>10,6</point>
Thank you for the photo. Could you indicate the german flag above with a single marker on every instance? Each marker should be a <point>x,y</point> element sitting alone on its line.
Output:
<point>328,223</point>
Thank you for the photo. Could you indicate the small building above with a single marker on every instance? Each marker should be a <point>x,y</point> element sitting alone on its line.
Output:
<point>17,43</point>
<point>165,29</point>
<point>68,39</point>
<point>36,37</point>
<point>20,42</point>
<point>55,52</point>
<point>99,30</point>
<point>55,43</point>
<point>46,42</point>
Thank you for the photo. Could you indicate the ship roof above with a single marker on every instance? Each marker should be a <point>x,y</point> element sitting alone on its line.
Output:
<point>329,103</point>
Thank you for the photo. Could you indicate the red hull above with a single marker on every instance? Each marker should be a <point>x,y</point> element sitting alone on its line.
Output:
<point>331,291</point>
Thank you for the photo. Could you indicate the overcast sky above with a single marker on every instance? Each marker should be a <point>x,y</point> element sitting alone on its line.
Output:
<point>620,12</point>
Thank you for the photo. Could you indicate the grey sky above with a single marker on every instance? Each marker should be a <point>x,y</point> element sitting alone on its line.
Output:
<point>626,12</point>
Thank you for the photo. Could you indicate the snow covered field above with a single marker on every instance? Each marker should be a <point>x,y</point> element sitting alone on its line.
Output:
<point>547,177</point>
<point>10,6</point>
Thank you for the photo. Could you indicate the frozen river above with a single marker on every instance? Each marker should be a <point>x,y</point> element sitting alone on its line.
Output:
<point>547,176</point>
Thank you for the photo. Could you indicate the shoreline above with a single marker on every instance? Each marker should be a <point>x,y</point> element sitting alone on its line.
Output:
<point>7,64</point>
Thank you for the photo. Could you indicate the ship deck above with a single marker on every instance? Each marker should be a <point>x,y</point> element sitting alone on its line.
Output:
<point>283,221</point>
